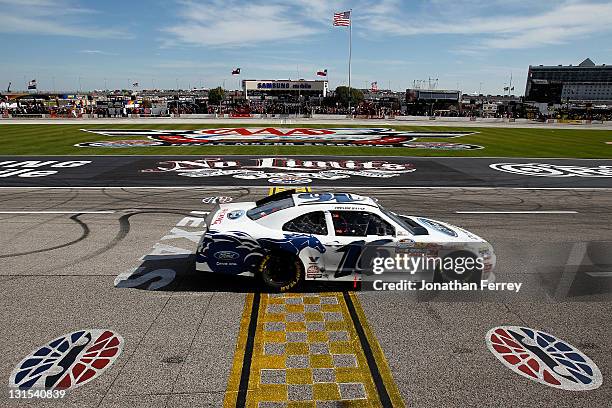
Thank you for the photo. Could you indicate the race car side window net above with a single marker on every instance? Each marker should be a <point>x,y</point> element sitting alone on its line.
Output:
<point>269,207</point>
<point>310,223</point>
<point>360,224</point>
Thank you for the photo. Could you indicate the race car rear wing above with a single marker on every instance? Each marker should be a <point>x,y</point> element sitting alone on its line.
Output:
<point>211,215</point>
<point>275,197</point>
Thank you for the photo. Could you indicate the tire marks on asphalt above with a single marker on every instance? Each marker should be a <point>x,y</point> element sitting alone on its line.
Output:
<point>85,231</point>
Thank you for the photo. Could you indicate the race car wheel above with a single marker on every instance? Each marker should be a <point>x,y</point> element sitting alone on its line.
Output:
<point>455,273</point>
<point>281,272</point>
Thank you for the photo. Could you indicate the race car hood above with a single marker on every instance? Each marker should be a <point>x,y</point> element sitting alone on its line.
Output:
<point>442,231</point>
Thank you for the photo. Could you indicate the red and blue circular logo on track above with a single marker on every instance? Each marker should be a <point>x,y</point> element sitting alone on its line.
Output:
<point>69,361</point>
<point>544,358</point>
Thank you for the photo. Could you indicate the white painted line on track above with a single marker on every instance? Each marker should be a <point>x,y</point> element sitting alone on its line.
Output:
<point>600,274</point>
<point>321,188</point>
<point>57,212</point>
<point>516,212</point>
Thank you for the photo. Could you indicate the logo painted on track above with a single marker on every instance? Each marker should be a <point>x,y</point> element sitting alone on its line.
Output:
<point>69,361</point>
<point>37,168</point>
<point>544,358</point>
<point>552,170</point>
<point>217,199</point>
<point>377,137</point>
<point>281,170</point>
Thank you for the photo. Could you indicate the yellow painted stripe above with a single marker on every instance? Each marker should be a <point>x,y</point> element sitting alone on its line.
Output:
<point>379,355</point>
<point>231,391</point>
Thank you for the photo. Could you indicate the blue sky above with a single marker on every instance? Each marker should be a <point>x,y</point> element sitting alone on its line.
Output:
<point>467,44</point>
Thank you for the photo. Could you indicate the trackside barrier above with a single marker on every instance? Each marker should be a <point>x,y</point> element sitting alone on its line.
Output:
<point>28,115</point>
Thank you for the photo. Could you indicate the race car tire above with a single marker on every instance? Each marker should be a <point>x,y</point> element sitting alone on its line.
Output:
<point>281,272</point>
<point>450,275</point>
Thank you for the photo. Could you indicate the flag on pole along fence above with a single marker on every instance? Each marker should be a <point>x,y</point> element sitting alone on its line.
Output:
<point>374,86</point>
<point>236,71</point>
<point>322,73</point>
<point>32,84</point>
<point>342,19</point>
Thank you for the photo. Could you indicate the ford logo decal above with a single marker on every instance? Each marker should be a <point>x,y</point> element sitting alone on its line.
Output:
<point>226,255</point>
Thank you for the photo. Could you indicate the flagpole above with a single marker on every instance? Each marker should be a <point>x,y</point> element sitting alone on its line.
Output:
<point>349,62</point>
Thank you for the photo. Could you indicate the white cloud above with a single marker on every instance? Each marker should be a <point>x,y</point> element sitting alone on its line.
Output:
<point>96,52</point>
<point>46,17</point>
<point>231,23</point>
<point>492,24</point>
<point>558,23</point>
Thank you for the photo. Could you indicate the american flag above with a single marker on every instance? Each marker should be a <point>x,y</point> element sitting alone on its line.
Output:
<point>342,19</point>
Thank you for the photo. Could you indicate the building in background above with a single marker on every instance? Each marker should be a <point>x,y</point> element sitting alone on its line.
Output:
<point>432,102</point>
<point>584,83</point>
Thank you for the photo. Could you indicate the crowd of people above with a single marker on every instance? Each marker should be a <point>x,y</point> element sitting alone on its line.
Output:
<point>237,107</point>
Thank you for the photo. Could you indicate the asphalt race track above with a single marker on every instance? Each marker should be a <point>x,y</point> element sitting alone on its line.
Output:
<point>62,251</point>
<point>325,171</point>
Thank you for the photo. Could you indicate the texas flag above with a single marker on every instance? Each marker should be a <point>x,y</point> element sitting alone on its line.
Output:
<point>322,73</point>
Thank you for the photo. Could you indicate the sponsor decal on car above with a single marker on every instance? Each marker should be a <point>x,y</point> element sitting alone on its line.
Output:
<point>552,170</point>
<point>69,361</point>
<point>233,215</point>
<point>544,358</point>
<point>377,137</point>
<point>282,170</point>
<point>313,272</point>
<point>226,255</point>
<point>220,217</point>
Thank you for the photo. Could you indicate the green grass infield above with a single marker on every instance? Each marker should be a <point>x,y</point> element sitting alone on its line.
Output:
<point>32,139</point>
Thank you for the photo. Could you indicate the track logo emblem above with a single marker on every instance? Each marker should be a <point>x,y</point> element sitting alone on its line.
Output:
<point>281,170</point>
<point>377,137</point>
<point>544,358</point>
<point>552,170</point>
<point>69,361</point>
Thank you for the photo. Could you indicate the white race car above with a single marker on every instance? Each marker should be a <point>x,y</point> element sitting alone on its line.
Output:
<point>288,237</point>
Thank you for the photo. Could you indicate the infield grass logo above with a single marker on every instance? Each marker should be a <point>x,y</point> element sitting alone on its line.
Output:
<point>270,136</point>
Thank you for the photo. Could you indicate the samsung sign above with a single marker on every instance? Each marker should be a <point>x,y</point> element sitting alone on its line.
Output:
<point>271,85</point>
<point>282,85</point>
